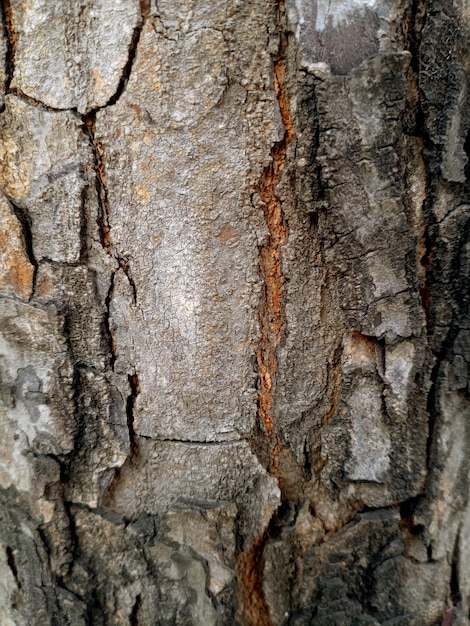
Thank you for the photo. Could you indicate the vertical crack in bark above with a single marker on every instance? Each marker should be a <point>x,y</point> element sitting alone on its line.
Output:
<point>11,560</point>
<point>134,385</point>
<point>414,125</point>
<point>83,225</point>
<point>104,211</point>
<point>10,36</point>
<point>107,317</point>
<point>271,314</point>
<point>134,616</point>
<point>432,157</point>
<point>101,183</point>
<point>103,221</point>
<point>24,218</point>
<point>104,226</point>
<point>126,72</point>
<point>455,593</point>
<point>253,609</point>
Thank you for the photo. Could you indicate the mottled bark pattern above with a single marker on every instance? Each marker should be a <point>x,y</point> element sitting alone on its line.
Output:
<point>235,340</point>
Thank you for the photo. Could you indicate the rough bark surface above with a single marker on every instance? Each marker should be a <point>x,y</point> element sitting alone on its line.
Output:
<point>235,334</point>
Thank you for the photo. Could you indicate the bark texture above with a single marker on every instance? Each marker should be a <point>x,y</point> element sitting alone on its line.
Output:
<point>235,343</point>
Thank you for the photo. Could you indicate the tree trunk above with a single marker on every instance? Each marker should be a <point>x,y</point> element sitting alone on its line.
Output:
<point>234,278</point>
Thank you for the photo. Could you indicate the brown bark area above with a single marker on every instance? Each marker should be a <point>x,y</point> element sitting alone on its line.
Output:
<point>271,314</point>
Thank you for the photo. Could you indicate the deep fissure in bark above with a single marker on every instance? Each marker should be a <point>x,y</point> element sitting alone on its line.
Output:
<point>80,426</point>
<point>253,609</point>
<point>134,385</point>
<point>11,560</point>
<point>445,351</point>
<point>134,616</point>
<point>455,594</point>
<point>126,72</point>
<point>316,205</point>
<point>10,37</point>
<point>104,226</point>
<point>24,218</point>
<point>74,543</point>
<point>430,260</point>
<point>103,221</point>
<point>271,314</point>
<point>101,183</point>
<point>271,311</point>
<point>104,213</point>
<point>414,125</point>
<point>83,258</point>
<point>108,331</point>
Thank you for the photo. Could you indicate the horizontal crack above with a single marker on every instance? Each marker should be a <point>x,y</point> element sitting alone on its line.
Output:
<point>192,442</point>
<point>38,103</point>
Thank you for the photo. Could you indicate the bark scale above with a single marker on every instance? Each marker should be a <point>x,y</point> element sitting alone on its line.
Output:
<point>234,311</point>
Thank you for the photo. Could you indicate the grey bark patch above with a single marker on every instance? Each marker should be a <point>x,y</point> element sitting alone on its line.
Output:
<point>29,391</point>
<point>198,286</point>
<point>43,173</point>
<point>342,34</point>
<point>194,474</point>
<point>88,48</point>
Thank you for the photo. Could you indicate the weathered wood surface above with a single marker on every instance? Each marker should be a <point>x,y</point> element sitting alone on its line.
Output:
<point>234,271</point>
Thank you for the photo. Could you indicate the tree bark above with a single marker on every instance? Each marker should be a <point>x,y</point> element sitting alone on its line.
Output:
<point>234,275</point>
